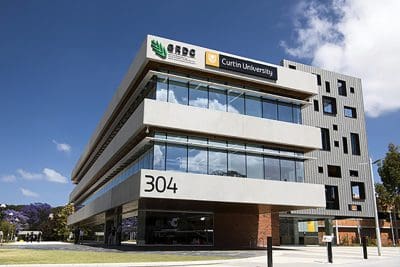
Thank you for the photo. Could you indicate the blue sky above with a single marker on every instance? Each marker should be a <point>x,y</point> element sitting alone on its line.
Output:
<point>61,62</point>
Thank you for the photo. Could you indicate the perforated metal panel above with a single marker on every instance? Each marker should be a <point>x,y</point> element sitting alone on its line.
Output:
<point>336,156</point>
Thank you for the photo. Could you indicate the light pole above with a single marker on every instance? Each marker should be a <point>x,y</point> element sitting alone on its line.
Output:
<point>377,230</point>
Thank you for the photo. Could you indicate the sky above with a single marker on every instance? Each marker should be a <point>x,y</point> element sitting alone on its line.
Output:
<point>62,61</point>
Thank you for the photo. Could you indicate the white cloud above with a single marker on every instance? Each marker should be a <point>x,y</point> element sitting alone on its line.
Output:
<point>29,175</point>
<point>53,176</point>
<point>358,38</point>
<point>48,174</point>
<point>8,178</point>
<point>63,147</point>
<point>28,193</point>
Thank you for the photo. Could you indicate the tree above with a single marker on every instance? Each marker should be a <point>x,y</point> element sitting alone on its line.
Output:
<point>389,171</point>
<point>384,199</point>
<point>37,214</point>
<point>61,227</point>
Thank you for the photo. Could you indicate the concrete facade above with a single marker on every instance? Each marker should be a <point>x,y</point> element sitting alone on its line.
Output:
<point>245,166</point>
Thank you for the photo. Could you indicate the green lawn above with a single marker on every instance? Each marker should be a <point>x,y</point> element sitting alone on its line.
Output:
<point>32,256</point>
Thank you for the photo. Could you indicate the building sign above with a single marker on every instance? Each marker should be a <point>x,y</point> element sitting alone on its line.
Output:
<point>240,65</point>
<point>174,52</point>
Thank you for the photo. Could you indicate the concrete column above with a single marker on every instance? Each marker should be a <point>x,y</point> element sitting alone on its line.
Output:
<point>296,231</point>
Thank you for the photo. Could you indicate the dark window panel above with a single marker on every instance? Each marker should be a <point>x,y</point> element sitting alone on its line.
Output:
<point>316,105</point>
<point>320,169</point>
<point>327,87</point>
<point>345,146</point>
<point>292,67</point>
<point>355,144</point>
<point>353,173</point>
<point>352,90</point>
<point>326,142</point>
<point>335,127</point>
<point>334,171</point>
<point>336,143</point>
<point>342,88</point>
<point>332,197</point>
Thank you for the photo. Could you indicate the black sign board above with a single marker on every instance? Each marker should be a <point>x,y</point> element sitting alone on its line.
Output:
<point>247,67</point>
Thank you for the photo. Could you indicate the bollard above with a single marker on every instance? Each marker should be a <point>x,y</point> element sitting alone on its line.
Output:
<point>364,244</point>
<point>329,246</point>
<point>269,251</point>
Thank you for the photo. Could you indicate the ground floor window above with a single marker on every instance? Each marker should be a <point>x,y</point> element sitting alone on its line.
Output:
<point>179,228</point>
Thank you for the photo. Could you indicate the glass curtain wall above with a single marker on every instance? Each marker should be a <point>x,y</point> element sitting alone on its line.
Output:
<point>201,95</point>
<point>226,159</point>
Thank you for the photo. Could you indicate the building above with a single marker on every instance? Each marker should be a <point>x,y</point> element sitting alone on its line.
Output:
<point>204,148</point>
<point>342,165</point>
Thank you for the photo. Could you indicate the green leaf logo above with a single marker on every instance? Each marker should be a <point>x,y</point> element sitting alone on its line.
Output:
<point>159,49</point>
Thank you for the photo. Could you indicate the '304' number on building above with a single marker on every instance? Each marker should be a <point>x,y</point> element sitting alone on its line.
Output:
<point>160,184</point>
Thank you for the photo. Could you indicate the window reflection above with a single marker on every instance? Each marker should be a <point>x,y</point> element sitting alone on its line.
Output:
<point>178,92</point>
<point>198,95</point>
<point>217,99</point>
<point>176,158</point>
<point>285,112</point>
<point>272,168</point>
<point>299,171</point>
<point>162,89</point>
<point>287,170</point>
<point>197,160</point>
<point>236,164</point>
<point>270,109</point>
<point>255,166</point>
<point>235,103</point>
<point>253,106</point>
<point>217,162</point>
<point>159,157</point>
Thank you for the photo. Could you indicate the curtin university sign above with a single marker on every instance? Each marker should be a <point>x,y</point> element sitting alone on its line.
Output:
<point>240,65</point>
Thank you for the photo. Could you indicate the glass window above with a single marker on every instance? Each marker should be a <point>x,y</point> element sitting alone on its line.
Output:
<point>159,157</point>
<point>255,166</point>
<point>327,87</point>
<point>297,114</point>
<point>334,171</point>
<point>350,112</point>
<point>355,144</point>
<point>178,228</point>
<point>198,95</point>
<point>326,141</point>
<point>342,88</point>
<point>332,197</point>
<point>345,148</point>
<point>253,106</point>
<point>300,171</point>
<point>176,158</point>
<point>236,164</point>
<point>288,170</point>
<point>270,109</point>
<point>217,164</point>
<point>162,88</point>
<point>178,91</point>
<point>285,112</point>
<point>357,190</point>
<point>235,103</point>
<point>197,160</point>
<point>272,169</point>
<point>329,105</point>
<point>217,99</point>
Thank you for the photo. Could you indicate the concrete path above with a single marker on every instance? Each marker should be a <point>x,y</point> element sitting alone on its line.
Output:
<point>283,256</point>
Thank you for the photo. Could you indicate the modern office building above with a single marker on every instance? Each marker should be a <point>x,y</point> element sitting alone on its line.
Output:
<point>204,148</point>
<point>342,165</point>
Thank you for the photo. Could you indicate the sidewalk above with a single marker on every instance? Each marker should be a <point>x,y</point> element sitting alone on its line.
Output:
<point>283,256</point>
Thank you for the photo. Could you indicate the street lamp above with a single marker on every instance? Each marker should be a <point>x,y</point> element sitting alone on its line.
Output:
<point>378,232</point>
